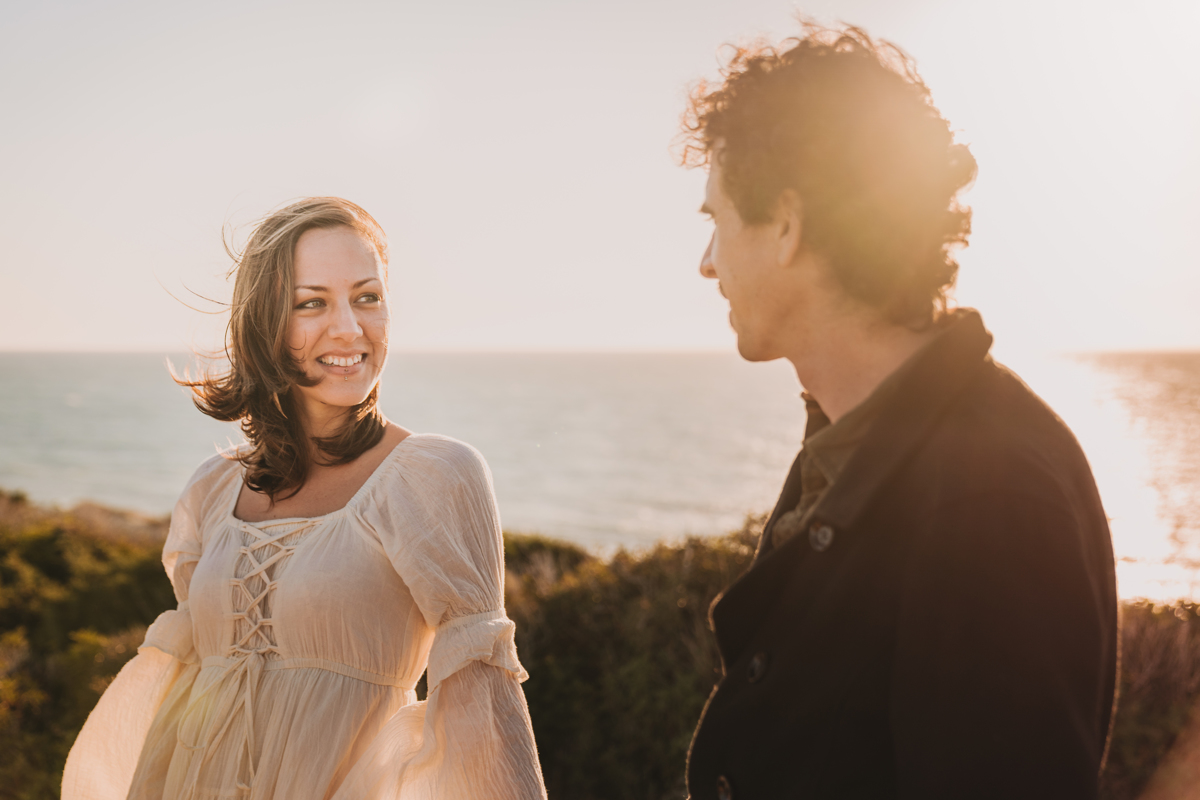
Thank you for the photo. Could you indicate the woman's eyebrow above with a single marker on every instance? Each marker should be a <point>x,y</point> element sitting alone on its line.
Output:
<point>326,289</point>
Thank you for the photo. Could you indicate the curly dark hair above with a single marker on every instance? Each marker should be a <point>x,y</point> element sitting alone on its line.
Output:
<point>847,123</point>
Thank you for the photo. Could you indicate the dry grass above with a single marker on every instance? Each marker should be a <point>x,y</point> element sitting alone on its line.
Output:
<point>1160,684</point>
<point>111,524</point>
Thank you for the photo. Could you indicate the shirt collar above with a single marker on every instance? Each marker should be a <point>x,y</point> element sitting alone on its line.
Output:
<point>830,445</point>
<point>910,403</point>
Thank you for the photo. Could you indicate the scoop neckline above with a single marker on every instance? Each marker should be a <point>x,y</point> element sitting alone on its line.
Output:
<point>241,474</point>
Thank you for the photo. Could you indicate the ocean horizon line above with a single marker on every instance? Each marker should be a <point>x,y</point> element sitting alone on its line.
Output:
<point>1137,351</point>
<point>403,351</point>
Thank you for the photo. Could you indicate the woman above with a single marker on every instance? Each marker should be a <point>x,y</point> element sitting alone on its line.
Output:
<point>319,569</point>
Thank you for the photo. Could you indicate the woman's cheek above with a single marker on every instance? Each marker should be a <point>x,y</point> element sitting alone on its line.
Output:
<point>377,330</point>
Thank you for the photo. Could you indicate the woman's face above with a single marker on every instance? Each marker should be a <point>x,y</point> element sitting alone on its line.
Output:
<point>338,332</point>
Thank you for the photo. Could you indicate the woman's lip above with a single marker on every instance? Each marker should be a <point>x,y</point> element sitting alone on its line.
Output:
<point>354,369</point>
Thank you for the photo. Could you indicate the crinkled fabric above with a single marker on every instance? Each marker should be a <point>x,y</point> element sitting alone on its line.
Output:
<point>288,668</point>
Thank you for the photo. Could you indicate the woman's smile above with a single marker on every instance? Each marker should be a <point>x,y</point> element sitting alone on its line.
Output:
<point>342,361</point>
<point>343,366</point>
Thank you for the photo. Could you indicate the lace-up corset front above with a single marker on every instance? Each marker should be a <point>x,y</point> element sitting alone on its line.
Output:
<point>273,613</point>
<point>254,583</point>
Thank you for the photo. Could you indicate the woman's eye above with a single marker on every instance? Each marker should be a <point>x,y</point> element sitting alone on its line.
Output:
<point>369,297</point>
<point>314,303</point>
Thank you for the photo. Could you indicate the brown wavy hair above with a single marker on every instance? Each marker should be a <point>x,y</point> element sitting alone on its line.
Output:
<point>847,123</point>
<point>256,389</point>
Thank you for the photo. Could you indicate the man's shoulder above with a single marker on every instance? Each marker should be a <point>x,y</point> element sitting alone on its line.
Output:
<point>1001,483</point>
<point>1000,435</point>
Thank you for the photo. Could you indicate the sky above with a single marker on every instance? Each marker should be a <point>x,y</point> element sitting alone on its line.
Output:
<point>519,157</point>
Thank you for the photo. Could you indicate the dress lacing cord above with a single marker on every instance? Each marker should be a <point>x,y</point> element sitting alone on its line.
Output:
<point>236,687</point>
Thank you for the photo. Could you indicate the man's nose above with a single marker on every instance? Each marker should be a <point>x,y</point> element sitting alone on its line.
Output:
<point>706,266</point>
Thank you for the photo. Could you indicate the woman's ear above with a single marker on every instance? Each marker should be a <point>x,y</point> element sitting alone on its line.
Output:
<point>789,223</point>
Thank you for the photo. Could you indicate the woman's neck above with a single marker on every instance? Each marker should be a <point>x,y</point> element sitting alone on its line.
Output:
<point>323,422</point>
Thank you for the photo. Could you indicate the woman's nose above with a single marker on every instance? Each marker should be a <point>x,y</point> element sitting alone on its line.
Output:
<point>706,266</point>
<point>344,323</point>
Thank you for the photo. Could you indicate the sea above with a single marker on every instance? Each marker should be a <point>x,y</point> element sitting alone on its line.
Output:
<point>610,450</point>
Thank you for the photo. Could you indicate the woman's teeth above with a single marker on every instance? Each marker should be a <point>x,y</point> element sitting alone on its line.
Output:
<point>341,361</point>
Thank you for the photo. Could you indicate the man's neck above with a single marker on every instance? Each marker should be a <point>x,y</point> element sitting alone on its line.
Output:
<point>846,360</point>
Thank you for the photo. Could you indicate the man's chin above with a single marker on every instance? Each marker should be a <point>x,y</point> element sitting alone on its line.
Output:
<point>754,351</point>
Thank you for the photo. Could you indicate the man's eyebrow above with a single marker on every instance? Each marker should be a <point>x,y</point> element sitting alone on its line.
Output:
<point>326,289</point>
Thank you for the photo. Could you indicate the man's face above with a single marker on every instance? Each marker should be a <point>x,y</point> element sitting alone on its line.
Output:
<point>746,261</point>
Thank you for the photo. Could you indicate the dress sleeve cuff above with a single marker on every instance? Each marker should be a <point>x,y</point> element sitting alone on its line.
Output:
<point>486,637</point>
<point>171,633</point>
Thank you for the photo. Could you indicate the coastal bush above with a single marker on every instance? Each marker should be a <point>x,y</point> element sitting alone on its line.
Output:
<point>1160,688</point>
<point>619,650</point>
<point>621,661</point>
<point>74,602</point>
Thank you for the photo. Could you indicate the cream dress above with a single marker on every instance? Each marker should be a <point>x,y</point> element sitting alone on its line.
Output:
<point>288,669</point>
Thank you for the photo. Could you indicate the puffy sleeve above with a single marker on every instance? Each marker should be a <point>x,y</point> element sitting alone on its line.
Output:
<point>131,729</point>
<point>472,737</point>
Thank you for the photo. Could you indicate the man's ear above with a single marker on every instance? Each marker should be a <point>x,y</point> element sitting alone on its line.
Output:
<point>789,224</point>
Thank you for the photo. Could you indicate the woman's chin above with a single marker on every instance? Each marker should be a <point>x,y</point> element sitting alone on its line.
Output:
<point>338,394</point>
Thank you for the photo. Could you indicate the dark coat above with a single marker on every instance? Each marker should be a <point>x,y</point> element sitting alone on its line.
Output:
<point>946,628</point>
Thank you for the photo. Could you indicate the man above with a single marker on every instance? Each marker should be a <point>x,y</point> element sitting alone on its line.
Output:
<point>932,610</point>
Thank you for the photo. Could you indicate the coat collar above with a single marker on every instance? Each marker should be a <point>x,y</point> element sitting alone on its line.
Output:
<point>936,376</point>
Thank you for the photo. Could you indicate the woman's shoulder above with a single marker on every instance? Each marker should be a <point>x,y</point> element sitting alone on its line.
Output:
<point>220,465</point>
<point>434,489</point>
<point>201,502</point>
<point>430,464</point>
<point>211,478</point>
<point>221,461</point>
<point>440,453</point>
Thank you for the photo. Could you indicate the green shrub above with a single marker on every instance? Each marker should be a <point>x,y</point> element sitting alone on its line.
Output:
<point>622,660</point>
<point>1160,686</point>
<point>619,650</point>
<point>541,558</point>
<point>73,609</point>
<point>56,579</point>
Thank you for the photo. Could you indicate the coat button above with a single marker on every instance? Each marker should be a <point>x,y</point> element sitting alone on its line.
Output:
<point>757,667</point>
<point>724,790</point>
<point>820,537</point>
